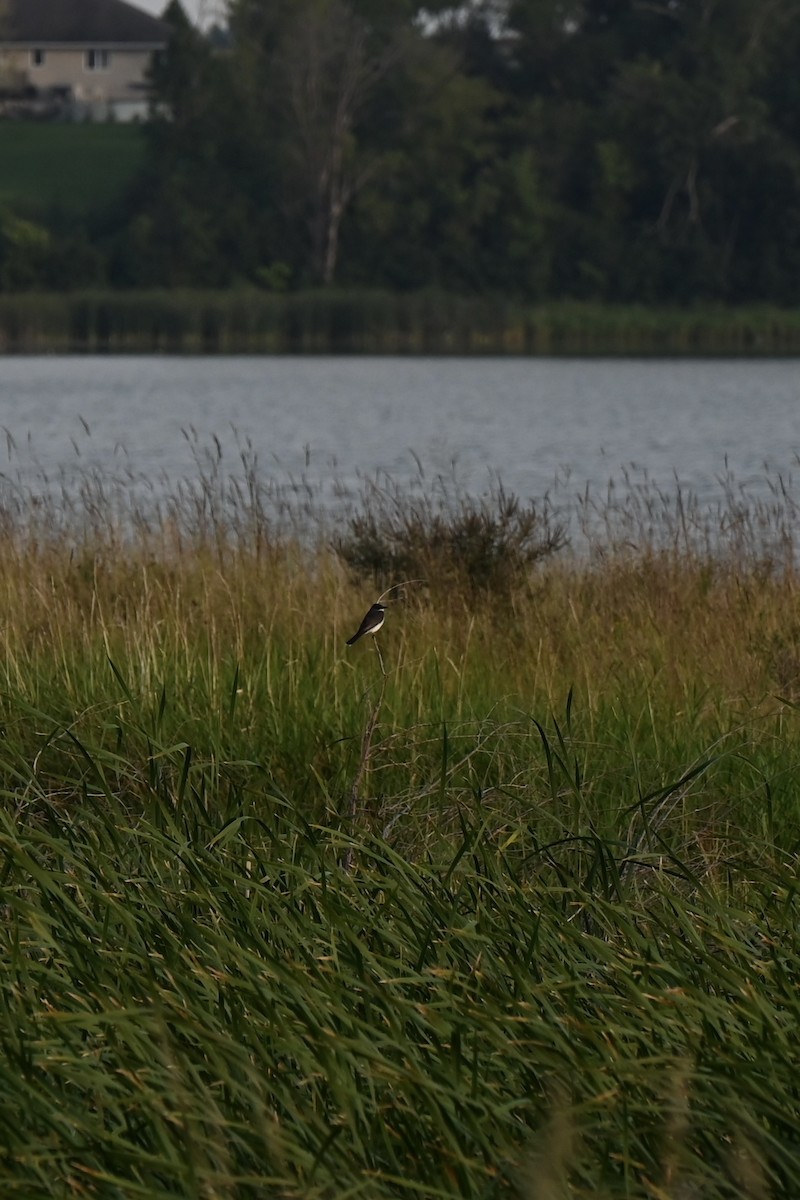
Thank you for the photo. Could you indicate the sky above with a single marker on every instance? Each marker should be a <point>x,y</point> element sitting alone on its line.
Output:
<point>193,7</point>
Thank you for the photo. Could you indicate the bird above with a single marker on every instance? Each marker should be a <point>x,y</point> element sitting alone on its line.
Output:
<point>371,623</point>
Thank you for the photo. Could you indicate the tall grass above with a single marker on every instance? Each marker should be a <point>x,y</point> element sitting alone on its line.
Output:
<point>249,320</point>
<point>553,952</point>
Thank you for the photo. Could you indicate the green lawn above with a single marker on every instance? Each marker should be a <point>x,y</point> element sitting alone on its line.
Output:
<point>80,169</point>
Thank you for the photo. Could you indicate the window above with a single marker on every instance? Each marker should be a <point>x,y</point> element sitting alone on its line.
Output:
<point>97,60</point>
<point>38,57</point>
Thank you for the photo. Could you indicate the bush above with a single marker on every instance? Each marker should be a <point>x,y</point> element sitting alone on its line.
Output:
<point>483,546</point>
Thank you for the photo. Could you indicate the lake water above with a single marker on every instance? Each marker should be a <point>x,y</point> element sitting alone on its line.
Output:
<point>528,422</point>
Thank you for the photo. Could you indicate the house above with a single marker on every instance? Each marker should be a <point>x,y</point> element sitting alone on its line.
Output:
<point>78,59</point>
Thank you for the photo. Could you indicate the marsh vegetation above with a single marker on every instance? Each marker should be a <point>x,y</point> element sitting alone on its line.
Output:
<point>247,320</point>
<point>554,951</point>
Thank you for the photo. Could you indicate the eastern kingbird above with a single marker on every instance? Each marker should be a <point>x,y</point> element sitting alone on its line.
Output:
<point>371,623</point>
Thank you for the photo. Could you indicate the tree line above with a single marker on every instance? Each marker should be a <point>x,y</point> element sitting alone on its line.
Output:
<point>641,151</point>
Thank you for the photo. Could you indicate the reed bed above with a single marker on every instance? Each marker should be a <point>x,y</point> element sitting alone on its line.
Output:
<point>248,320</point>
<point>553,948</point>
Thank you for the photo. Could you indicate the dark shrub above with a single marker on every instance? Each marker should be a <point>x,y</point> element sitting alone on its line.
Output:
<point>456,544</point>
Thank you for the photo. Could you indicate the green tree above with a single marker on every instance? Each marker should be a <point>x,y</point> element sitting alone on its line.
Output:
<point>191,222</point>
<point>314,76</point>
<point>24,252</point>
<point>647,121</point>
<point>611,149</point>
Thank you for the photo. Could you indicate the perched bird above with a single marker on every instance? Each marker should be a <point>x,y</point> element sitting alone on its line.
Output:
<point>371,623</point>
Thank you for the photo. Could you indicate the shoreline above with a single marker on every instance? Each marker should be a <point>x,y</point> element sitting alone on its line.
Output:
<point>249,321</point>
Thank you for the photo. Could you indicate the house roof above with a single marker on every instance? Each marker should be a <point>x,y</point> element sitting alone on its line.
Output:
<point>44,22</point>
